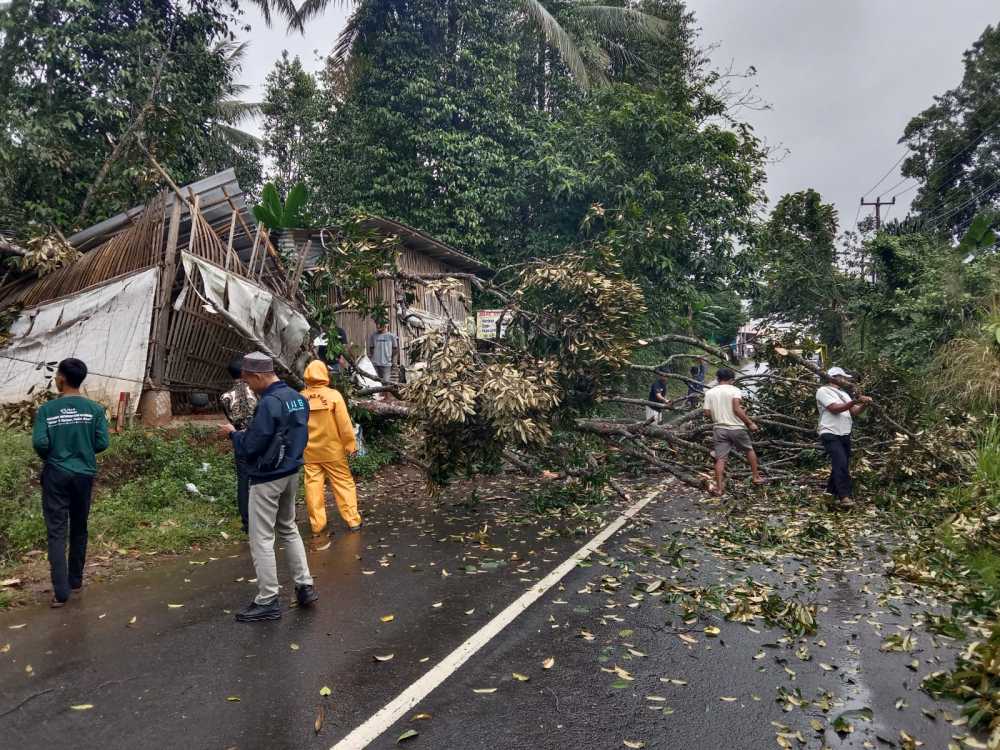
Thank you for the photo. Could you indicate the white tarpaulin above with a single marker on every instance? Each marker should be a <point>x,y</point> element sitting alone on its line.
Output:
<point>107,327</point>
<point>268,318</point>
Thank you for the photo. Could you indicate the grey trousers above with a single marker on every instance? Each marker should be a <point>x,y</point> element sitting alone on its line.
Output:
<point>272,511</point>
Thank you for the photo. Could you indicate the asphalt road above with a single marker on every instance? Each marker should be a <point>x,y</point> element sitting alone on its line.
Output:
<point>162,676</point>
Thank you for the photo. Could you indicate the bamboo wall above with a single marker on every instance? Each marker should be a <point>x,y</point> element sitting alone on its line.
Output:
<point>359,327</point>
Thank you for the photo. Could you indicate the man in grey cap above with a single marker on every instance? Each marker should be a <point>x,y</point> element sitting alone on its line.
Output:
<point>272,447</point>
<point>837,409</point>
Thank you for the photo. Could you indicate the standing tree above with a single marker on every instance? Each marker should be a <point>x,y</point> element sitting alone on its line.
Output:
<point>81,81</point>
<point>430,132</point>
<point>289,117</point>
<point>799,281</point>
<point>956,143</point>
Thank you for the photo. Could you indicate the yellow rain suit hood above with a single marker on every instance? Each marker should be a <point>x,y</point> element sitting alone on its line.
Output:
<point>331,433</point>
<point>331,439</point>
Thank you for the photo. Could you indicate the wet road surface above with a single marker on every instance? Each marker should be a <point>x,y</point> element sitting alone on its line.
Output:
<point>632,659</point>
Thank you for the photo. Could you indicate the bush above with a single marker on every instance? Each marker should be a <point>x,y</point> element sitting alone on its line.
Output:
<point>368,465</point>
<point>140,501</point>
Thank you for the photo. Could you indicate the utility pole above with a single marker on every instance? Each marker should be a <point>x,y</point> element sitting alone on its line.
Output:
<point>878,208</point>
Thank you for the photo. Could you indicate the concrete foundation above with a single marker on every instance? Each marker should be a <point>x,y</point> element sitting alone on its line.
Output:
<point>154,407</point>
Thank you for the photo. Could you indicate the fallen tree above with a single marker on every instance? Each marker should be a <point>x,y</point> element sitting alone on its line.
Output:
<point>551,394</point>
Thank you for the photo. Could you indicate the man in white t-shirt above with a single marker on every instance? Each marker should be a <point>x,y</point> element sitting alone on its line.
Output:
<point>837,409</point>
<point>731,427</point>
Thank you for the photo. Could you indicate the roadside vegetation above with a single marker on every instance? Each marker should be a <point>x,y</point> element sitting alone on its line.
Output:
<point>156,493</point>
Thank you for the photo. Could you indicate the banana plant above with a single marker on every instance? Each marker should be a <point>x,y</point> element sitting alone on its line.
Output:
<point>981,234</point>
<point>275,215</point>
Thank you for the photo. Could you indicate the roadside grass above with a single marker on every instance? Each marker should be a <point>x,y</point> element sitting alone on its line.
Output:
<point>367,466</point>
<point>972,534</point>
<point>142,502</point>
<point>956,536</point>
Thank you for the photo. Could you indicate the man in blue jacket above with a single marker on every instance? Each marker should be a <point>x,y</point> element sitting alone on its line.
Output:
<point>272,447</point>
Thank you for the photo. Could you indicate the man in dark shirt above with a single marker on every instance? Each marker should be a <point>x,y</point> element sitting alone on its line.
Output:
<point>272,447</point>
<point>657,395</point>
<point>696,383</point>
<point>68,433</point>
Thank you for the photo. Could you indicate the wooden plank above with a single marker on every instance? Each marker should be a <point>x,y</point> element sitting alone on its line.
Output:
<point>168,272</point>
<point>229,246</point>
<point>195,213</point>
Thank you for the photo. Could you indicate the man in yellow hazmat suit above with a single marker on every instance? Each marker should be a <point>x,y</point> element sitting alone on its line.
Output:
<point>331,441</point>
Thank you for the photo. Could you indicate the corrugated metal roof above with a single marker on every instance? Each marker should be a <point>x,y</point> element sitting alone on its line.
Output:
<point>220,193</point>
<point>217,196</point>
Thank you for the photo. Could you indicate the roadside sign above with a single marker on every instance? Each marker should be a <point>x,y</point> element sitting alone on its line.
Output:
<point>486,323</point>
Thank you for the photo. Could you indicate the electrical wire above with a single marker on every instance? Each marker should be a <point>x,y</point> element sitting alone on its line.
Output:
<point>934,222</point>
<point>89,372</point>
<point>976,142</point>
<point>888,172</point>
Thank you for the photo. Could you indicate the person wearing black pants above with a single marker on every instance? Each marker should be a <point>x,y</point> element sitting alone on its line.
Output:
<point>66,504</point>
<point>837,409</point>
<point>838,448</point>
<point>68,434</point>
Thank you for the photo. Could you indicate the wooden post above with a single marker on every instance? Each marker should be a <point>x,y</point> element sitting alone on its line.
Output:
<point>263,260</point>
<point>168,270</point>
<point>253,253</point>
<point>229,246</point>
<point>195,215</point>
<point>293,284</point>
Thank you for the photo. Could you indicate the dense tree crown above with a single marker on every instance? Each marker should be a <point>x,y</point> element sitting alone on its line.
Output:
<point>462,119</point>
<point>74,77</point>
<point>289,98</point>
<point>800,281</point>
<point>956,143</point>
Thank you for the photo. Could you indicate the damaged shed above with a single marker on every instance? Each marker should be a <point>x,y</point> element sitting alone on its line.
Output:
<point>159,301</point>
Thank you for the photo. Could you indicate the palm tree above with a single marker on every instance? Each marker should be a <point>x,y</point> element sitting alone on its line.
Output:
<point>609,23</point>
<point>231,111</point>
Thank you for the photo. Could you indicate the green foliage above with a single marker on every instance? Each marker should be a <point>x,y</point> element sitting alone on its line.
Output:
<point>488,145</point>
<point>980,234</point>
<point>140,498</point>
<point>74,76</point>
<point>640,190</point>
<point>367,466</point>
<point>955,143</point>
<point>975,681</point>
<point>430,132</point>
<point>799,279</point>
<point>21,524</point>
<point>289,98</point>
<point>287,215</point>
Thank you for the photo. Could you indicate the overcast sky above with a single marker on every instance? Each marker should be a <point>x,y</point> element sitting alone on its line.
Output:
<point>842,77</point>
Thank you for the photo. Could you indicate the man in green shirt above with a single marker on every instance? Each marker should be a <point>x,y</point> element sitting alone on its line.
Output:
<point>69,431</point>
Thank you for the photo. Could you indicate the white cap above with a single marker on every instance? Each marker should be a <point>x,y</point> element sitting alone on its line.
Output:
<point>835,371</point>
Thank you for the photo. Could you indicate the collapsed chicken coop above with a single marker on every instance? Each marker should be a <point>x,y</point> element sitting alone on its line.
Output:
<point>159,300</point>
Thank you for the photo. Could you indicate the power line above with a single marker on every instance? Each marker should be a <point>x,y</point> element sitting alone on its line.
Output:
<point>89,371</point>
<point>888,172</point>
<point>935,221</point>
<point>976,142</point>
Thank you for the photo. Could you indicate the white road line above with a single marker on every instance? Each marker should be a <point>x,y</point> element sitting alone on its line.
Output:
<point>409,698</point>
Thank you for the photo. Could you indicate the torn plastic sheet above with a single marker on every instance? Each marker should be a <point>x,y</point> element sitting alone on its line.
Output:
<point>255,312</point>
<point>108,327</point>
